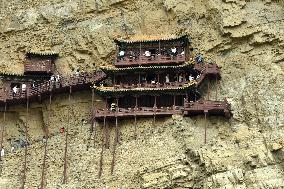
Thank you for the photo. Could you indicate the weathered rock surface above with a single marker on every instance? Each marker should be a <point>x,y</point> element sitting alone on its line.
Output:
<point>246,38</point>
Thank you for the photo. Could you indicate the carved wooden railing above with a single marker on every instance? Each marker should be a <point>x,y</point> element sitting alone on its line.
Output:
<point>152,85</point>
<point>208,106</point>
<point>140,112</point>
<point>61,86</point>
<point>143,60</point>
<point>38,65</point>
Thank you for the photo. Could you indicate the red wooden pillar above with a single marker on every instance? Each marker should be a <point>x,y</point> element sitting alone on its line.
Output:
<point>135,117</point>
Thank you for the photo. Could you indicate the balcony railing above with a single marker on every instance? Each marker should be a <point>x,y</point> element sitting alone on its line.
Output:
<point>42,66</point>
<point>153,60</point>
<point>139,112</point>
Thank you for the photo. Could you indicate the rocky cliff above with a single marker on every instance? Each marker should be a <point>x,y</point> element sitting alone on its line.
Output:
<point>245,37</point>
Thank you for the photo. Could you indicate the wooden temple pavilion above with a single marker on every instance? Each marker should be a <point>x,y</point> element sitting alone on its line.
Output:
<point>36,83</point>
<point>156,77</point>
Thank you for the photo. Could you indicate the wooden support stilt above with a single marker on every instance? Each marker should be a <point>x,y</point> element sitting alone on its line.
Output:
<point>66,138</point>
<point>155,108</point>
<point>95,132</point>
<point>46,132</point>
<point>135,117</point>
<point>93,122</point>
<point>116,128</point>
<point>106,131</point>
<point>205,130</point>
<point>3,128</point>
<point>114,144</point>
<point>26,143</point>
<point>102,150</point>
<point>216,82</point>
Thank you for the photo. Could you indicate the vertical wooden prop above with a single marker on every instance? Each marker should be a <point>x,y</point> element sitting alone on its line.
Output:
<point>103,142</point>
<point>3,127</point>
<point>116,139</point>
<point>205,130</point>
<point>66,139</point>
<point>135,117</point>
<point>155,109</point>
<point>107,131</point>
<point>26,142</point>
<point>217,85</point>
<point>45,143</point>
<point>94,131</point>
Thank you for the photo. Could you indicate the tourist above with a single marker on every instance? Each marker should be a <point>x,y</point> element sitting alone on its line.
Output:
<point>77,72</point>
<point>121,55</point>
<point>174,51</point>
<point>33,85</point>
<point>15,90</point>
<point>2,152</point>
<point>190,78</point>
<point>24,87</point>
<point>199,58</point>
<point>132,55</point>
<point>167,78</point>
<point>180,78</point>
<point>147,53</point>
<point>198,76</point>
<point>113,107</point>
<point>57,78</point>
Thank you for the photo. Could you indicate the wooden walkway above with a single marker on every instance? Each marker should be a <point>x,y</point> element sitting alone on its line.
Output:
<point>201,107</point>
<point>42,90</point>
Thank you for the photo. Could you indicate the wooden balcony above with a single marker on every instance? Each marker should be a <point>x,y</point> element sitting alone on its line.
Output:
<point>39,66</point>
<point>139,112</point>
<point>145,88</point>
<point>41,90</point>
<point>219,108</point>
<point>211,71</point>
<point>153,60</point>
<point>222,108</point>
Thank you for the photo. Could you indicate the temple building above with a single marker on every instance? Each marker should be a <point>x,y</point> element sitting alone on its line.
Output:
<point>154,76</point>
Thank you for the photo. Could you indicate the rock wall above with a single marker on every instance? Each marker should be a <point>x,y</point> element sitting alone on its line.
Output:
<point>245,37</point>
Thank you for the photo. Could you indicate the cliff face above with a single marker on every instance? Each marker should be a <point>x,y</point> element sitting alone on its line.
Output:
<point>246,38</point>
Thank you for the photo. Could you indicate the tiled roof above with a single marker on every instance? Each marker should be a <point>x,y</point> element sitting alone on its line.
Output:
<point>147,38</point>
<point>44,53</point>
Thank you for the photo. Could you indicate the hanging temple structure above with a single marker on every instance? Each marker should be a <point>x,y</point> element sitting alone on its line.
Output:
<point>151,76</point>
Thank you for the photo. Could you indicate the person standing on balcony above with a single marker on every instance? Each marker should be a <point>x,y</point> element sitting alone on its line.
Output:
<point>167,78</point>
<point>15,90</point>
<point>121,55</point>
<point>147,53</point>
<point>180,78</point>
<point>113,107</point>
<point>174,51</point>
<point>24,87</point>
